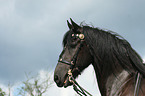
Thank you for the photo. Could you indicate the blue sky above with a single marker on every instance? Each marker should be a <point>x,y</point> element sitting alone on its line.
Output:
<point>31,31</point>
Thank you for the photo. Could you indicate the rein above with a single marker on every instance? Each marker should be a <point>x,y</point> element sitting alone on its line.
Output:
<point>79,90</point>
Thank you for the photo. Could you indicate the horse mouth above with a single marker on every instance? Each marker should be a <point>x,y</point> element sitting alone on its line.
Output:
<point>67,82</point>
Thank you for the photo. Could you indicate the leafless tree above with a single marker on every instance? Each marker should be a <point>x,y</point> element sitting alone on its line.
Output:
<point>35,86</point>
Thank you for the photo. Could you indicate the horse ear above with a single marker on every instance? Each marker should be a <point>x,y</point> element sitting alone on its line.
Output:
<point>69,25</point>
<point>75,26</point>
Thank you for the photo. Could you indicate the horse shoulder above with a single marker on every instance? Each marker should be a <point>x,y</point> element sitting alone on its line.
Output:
<point>128,89</point>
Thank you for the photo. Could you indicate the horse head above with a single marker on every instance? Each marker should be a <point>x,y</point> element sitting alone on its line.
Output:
<point>75,55</point>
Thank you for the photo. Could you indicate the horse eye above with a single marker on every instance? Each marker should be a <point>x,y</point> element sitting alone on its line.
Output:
<point>74,37</point>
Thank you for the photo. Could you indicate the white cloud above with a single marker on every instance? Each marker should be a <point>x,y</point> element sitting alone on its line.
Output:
<point>88,81</point>
<point>144,59</point>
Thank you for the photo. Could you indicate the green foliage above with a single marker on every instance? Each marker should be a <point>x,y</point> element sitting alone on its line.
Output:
<point>2,93</point>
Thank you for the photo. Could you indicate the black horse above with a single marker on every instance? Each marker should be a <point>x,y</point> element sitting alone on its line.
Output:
<point>115,62</point>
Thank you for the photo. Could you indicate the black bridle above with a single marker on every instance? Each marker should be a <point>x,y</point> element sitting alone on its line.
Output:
<point>72,63</point>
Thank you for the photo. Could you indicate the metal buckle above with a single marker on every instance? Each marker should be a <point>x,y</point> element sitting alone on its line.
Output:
<point>80,36</point>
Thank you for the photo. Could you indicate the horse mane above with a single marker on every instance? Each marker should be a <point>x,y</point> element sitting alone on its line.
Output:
<point>110,49</point>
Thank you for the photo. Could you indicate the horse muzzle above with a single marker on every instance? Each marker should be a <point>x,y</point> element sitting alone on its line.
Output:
<point>62,82</point>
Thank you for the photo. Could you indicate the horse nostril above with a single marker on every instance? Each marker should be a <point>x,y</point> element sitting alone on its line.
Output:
<point>55,78</point>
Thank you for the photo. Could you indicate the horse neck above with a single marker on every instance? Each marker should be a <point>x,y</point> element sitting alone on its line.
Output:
<point>109,82</point>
